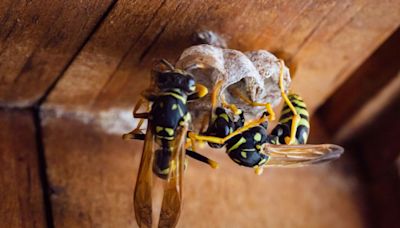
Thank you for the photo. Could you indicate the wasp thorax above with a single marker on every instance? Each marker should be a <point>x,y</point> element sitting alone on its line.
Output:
<point>175,80</point>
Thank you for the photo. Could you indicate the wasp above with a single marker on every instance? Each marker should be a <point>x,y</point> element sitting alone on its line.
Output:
<point>249,144</point>
<point>164,148</point>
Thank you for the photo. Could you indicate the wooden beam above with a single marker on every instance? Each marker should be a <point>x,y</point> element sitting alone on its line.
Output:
<point>377,147</point>
<point>326,40</point>
<point>358,121</point>
<point>38,40</point>
<point>344,38</point>
<point>379,71</point>
<point>21,195</point>
<point>92,175</point>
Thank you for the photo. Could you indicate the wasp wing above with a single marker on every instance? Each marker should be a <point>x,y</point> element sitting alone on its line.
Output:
<point>142,195</point>
<point>301,155</point>
<point>172,200</point>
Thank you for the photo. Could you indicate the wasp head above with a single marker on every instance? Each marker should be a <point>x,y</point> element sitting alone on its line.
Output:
<point>169,77</point>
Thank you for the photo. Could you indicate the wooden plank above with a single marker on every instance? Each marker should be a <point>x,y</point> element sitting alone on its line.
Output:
<point>369,111</point>
<point>379,71</point>
<point>326,40</point>
<point>21,194</point>
<point>343,40</point>
<point>378,148</point>
<point>38,39</point>
<point>93,177</point>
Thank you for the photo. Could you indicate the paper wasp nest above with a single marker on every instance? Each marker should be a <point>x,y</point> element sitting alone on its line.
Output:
<point>255,74</point>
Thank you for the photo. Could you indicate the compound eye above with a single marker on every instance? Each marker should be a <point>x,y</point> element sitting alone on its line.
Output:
<point>191,85</point>
<point>280,131</point>
<point>162,79</point>
<point>224,131</point>
<point>219,111</point>
<point>178,80</point>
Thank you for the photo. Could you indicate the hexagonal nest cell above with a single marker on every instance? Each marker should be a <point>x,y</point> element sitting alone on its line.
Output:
<point>254,73</point>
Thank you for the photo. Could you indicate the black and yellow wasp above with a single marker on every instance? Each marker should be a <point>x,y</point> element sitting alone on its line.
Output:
<point>164,142</point>
<point>249,144</point>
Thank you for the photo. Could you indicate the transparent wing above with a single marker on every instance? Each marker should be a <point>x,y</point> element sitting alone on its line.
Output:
<point>301,155</point>
<point>142,196</point>
<point>172,200</point>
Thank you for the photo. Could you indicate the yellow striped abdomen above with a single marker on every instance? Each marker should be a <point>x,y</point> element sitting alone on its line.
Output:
<point>283,129</point>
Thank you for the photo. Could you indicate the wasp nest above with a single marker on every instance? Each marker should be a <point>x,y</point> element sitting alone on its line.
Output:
<point>254,73</point>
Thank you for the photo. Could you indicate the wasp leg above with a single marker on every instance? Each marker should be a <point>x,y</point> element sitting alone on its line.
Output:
<point>137,130</point>
<point>190,153</point>
<point>258,169</point>
<point>167,64</point>
<point>134,135</point>
<point>214,95</point>
<point>296,116</point>
<point>148,95</point>
<point>204,123</point>
<point>196,137</point>
<point>231,107</point>
<point>201,91</point>
<point>193,143</point>
<point>140,116</point>
<point>202,158</point>
<point>247,126</point>
<point>245,99</point>
<point>143,100</point>
<point>214,100</point>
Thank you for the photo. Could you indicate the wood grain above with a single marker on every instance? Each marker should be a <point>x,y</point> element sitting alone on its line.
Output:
<point>369,111</point>
<point>377,146</point>
<point>325,40</point>
<point>379,71</point>
<point>93,176</point>
<point>38,39</point>
<point>96,69</point>
<point>344,38</point>
<point>94,173</point>
<point>21,197</point>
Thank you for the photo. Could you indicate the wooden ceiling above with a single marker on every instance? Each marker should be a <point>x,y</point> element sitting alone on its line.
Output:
<point>63,58</point>
<point>97,53</point>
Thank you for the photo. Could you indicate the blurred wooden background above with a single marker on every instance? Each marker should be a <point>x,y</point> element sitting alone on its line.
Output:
<point>70,70</point>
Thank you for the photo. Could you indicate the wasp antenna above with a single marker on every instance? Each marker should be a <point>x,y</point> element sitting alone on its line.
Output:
<point>168,64</point>
<point>195,66</point>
